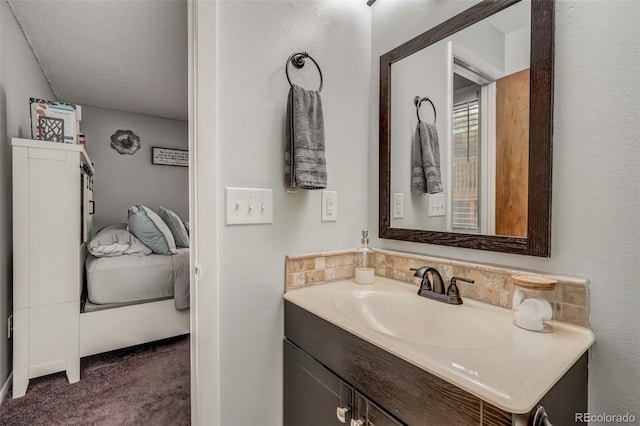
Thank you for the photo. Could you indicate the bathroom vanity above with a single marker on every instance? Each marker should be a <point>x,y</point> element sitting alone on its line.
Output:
<point>382,355</point>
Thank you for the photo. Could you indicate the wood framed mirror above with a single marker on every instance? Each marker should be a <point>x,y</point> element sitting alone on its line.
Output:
<point>528,192</point>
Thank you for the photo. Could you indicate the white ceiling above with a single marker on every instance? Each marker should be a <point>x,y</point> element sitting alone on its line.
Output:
<point>129,55</point>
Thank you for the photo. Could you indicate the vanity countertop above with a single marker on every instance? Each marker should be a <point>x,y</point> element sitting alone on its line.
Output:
<point>474,346</point>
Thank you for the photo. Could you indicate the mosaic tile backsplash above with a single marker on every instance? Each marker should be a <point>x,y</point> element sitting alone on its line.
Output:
<point>316,268</point>
<point>570,299</point>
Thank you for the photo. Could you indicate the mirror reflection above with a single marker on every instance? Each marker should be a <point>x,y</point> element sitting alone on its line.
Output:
<point>460,130</point>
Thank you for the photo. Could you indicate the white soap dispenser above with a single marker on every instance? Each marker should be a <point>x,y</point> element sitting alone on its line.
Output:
<point>364,261</point>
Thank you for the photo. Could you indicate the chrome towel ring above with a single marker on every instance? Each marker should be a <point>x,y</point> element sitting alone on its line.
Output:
<point>298,60</point>
<point>417,102</point>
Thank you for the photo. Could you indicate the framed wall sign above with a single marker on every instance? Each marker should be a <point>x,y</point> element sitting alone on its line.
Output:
<point>169,156</point>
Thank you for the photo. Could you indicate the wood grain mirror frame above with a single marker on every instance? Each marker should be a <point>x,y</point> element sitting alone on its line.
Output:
<point>538,239</point>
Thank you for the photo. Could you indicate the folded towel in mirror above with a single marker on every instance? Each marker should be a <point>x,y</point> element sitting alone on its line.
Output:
<point>425,160</point>
<point>304,163</point>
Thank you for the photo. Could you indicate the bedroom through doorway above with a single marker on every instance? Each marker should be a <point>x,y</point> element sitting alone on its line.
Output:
<point>123,66</point>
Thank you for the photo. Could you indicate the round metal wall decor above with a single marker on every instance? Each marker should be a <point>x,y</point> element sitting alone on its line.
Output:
<point>125,142</point>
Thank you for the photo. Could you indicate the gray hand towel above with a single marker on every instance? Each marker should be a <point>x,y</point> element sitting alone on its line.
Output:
<point>304,161</point>
<point>425,160</point>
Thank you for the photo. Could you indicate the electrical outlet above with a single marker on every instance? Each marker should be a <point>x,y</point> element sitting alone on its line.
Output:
<point>329,206</point>
<point>437,204</point>
<point>398,205</point>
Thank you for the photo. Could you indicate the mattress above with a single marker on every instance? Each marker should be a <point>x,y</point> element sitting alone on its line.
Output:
<point>126,279</point>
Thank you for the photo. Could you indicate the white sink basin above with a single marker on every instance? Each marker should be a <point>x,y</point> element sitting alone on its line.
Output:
<point>474,346</point>
<point>406,316</point>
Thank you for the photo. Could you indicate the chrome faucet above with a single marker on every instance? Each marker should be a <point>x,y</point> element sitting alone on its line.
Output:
<point>434,288</point>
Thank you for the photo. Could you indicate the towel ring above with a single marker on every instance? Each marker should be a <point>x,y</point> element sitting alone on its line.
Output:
<point>417,102</point>
<point>298,60</point>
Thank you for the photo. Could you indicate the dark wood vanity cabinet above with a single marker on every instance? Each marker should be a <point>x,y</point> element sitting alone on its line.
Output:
<point>313,395</point>
<point>326,368</point>
<point>367,412</point>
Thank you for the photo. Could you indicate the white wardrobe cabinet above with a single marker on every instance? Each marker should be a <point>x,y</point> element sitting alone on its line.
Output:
<point>52,187</point>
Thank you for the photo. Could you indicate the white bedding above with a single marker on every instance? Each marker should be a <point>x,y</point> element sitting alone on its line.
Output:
<point>124,279</point>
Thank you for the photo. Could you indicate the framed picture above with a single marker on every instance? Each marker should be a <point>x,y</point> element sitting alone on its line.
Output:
<point>169,156</point>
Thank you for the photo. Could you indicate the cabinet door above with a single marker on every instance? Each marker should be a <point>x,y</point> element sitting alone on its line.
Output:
<point>53,226</point>
<point>312,394</point>
<point>367,413</point>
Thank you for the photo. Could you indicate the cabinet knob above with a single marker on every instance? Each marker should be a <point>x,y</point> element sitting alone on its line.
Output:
<point>341,413</point>
<point>355,422</point>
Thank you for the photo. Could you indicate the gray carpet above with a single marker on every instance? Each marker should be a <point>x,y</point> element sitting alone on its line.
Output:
<point>142,385</point>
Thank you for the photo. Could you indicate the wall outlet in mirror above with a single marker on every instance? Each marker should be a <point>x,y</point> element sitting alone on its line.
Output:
<point>437,204</point>
<point>398,205</point>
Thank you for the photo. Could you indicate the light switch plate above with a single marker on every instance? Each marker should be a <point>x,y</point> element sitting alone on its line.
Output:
<point>437,204</point>
<point>249,206</point>
<point>329,206</point>
<point>398,205</point>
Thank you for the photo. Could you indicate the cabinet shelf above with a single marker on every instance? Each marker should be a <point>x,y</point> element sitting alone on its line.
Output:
<point>56,146</point>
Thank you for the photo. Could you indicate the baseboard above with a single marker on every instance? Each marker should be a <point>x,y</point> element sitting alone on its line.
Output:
<point>5,387</point>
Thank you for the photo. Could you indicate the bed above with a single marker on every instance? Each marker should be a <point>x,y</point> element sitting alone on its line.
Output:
<point>132,299</point>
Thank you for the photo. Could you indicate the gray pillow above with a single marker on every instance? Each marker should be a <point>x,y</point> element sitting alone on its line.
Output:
<point>177,228</point>
<point>116,242</point>
<point>145,224</point>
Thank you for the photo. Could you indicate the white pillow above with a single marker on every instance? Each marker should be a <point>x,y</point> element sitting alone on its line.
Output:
<point>116,242</point>
<point>145,224</point>
<point>112,226</point>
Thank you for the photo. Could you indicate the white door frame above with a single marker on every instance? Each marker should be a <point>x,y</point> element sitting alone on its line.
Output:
<point>203,196</point>
<point>488,131</point>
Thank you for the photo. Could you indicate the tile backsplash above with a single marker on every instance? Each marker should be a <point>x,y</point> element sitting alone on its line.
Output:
<point>570,299</point>
<point>307,269</point>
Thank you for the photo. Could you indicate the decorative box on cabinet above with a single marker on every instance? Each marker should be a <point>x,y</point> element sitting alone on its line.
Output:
<point>51,224</point>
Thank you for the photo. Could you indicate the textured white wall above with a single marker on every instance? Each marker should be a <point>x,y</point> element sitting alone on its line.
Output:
<point>409,79</point>
<point>596,182</point>
<point>517,50</point>
<point>20,79</point>
<point>254,40</point>
<point>123,180</point>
